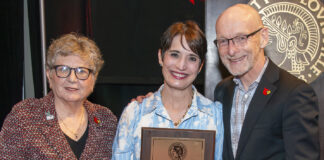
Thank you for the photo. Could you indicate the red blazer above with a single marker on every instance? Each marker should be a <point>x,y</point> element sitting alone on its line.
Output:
<point>31,131</point>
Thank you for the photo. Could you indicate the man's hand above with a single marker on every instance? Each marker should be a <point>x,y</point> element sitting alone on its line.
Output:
<point>140,98</point>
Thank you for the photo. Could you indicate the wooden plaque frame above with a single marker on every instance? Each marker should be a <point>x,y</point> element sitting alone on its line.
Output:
<point>158,143</point>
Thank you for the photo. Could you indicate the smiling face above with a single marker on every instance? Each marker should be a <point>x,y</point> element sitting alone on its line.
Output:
<point>70,89</point>
<point>241,60</point>
<point>180,66</point>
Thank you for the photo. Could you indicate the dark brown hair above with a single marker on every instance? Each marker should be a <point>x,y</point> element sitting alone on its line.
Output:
<point>194,36</point>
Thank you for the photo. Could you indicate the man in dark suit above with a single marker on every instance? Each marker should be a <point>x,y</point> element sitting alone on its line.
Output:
<point>268,113</point>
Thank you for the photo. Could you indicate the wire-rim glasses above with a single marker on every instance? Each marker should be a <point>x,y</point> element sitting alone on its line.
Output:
<point>238,40</point>
<point>63,71</point>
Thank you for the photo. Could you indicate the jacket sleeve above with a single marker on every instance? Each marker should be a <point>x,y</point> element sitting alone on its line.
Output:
<point>219,92</point>
<point>12,143</point>
<point>300,124</point>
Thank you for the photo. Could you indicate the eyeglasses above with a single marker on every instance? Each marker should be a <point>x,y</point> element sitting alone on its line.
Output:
<point>63,71</point>
<point>238,40</point>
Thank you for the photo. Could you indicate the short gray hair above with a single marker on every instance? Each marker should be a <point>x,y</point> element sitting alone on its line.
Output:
<point>75,44</point>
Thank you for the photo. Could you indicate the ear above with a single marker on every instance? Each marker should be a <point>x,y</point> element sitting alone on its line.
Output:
<point>160,57</point>
<point>201,66</point>
<point>95,78</point>
<point>264,37</point>
<point>49,78</point>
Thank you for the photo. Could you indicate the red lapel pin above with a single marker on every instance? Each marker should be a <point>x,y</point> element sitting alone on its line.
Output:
<point>266,91</point>
<point>192,1</point>
<point>96,120</point>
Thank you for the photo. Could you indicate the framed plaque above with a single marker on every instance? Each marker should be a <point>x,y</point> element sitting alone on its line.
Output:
<point>177,144</point>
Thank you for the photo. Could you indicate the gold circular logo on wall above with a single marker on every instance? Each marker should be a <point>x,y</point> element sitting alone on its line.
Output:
<point>296,30</point>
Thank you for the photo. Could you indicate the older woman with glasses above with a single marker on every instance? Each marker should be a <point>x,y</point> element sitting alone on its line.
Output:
<point>63,124</point>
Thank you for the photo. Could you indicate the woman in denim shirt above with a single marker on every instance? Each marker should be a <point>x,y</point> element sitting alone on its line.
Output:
<point>177,104</point>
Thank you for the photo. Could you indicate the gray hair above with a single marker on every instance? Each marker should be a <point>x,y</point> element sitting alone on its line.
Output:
<point>75,44</point>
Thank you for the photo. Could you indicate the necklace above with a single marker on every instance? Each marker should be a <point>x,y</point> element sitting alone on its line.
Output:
<point>67,128</point>
<point>176,123</point>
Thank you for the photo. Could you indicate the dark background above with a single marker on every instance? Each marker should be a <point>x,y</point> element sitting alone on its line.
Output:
<point>12,51</point>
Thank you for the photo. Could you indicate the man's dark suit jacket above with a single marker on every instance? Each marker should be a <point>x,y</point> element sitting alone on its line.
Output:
<point>318,86</point>
<point>280,125</point>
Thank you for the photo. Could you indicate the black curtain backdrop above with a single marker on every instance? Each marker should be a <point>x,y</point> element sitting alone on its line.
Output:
<point>35,46</point>
<point>12,55</point>
<point>128,33</point>
<point>64,16</point>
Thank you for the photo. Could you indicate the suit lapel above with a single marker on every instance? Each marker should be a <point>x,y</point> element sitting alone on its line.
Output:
<point>56,140</point>
<point>95,131</point>
<point>227,107</point>
<point>258,103</point>
<point>52,132</point>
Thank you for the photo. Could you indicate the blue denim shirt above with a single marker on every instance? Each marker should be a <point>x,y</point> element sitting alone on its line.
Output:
<point>203,115</point>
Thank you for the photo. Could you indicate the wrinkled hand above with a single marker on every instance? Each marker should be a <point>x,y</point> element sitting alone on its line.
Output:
<point>140,98</point>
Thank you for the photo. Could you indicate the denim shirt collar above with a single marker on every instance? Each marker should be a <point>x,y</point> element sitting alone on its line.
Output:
<point>159,109</point>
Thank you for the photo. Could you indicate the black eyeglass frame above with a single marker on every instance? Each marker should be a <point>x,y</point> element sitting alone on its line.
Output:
<point>247,36</point>
<point>75,73</point>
